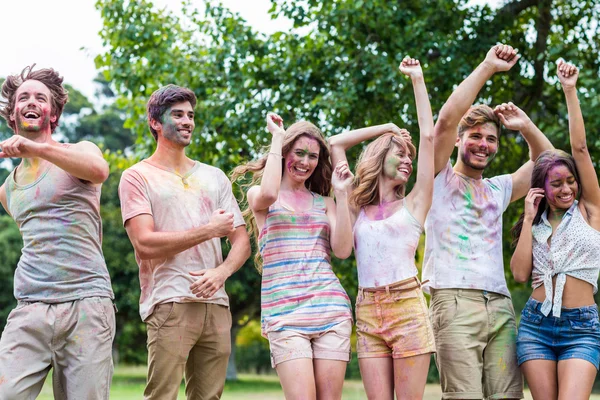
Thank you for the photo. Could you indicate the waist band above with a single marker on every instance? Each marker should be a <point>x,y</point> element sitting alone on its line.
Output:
<point>401,286</point>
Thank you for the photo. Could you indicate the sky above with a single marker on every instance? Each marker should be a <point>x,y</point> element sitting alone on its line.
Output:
<point>63,34</point>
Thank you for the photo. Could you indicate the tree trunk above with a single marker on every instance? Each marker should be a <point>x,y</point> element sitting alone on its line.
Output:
<point>231,368</point>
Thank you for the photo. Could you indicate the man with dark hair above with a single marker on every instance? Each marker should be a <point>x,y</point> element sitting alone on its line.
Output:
<point>471,310</point>
<point>64,318</point>
<point>175,211</point>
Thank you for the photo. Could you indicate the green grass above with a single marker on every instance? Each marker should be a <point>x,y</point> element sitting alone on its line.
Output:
<point>129,382</point>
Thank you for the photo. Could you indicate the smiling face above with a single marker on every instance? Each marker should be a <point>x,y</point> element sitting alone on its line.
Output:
<point>177,124</point>
<point>33,108</point>
<point>397,164</point>
<point>477,146</point>
<point>561,187</point>
<point>302,159</point>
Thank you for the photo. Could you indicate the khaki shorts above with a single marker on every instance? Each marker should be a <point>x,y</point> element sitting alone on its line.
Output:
<point>333,344</point>
<point>190,337</point>
<point>475,334</point>
<point>73,338</point>
<point>393,322</point>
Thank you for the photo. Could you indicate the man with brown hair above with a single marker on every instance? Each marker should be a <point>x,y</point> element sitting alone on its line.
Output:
<point>175,211</point>
<point>471,310</point>
<point>64,318</point>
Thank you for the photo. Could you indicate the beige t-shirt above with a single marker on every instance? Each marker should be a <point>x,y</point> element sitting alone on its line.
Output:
<point>177,203</point>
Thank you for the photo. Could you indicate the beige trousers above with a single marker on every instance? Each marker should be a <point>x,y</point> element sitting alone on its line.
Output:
<point>75,338</point>
<point>190,337</point>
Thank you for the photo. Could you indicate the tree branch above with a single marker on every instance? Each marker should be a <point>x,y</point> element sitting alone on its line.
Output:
<point>543,30</point>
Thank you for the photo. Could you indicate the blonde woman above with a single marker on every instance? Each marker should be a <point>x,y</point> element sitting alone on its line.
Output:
<point>394,335</point>
<point>305,313</point>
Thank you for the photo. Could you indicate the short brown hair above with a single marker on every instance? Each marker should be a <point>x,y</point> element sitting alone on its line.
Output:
<point>478,115</point>
<point>165,97</point>
<point>49,77</point>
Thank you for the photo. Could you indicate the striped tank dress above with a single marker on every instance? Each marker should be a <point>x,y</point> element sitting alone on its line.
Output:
<point>299,291</point>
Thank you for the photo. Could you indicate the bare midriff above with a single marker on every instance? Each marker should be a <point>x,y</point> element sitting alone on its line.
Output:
<point>577,293</point>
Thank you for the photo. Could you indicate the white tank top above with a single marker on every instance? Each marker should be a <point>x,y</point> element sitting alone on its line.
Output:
<point>385,249</point>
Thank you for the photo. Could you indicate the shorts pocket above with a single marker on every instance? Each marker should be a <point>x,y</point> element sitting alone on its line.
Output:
<point>585,324</point>
<point>443,312</point>
<point>161,314</point>
<point>532,317</point>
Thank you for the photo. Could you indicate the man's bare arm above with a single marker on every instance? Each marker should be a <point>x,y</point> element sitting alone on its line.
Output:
<point>499,58</point>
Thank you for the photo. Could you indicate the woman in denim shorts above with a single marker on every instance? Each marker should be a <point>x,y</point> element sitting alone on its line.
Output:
<point>558,245</point>
<point>394,335</point>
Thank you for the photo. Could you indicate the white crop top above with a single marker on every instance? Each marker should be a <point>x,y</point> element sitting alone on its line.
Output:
<point>385,249</point>
<point>574,250</point>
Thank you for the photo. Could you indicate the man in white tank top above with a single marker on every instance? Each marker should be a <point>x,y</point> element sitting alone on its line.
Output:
<point>471,310</point>
<point>64,318</point>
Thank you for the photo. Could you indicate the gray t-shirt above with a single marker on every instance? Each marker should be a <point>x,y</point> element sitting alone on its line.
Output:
<point>59,219</point>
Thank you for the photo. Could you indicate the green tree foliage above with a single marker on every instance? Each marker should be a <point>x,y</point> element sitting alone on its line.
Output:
<point>338,68</point>
<point>102,124</point>
<point>130,338</point>
<point>10,251</point>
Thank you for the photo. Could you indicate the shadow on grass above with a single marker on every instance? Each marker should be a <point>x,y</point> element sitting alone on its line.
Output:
<point>253,384</point>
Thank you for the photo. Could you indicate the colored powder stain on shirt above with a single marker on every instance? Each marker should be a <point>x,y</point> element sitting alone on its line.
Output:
<point>468,199</point>
<point>463,237</point>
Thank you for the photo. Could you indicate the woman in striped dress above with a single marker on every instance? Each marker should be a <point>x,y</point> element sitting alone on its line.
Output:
<point>305,312</point>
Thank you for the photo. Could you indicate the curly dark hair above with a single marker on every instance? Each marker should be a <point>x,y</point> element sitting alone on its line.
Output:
<point>165,97</point>
<point>49,77</point>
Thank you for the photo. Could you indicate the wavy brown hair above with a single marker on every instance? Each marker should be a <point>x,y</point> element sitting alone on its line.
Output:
<point>370,168</point>
<point>49,77</point>
<point>478,115</point>
<point>544,163</point>
<point>319,181</point>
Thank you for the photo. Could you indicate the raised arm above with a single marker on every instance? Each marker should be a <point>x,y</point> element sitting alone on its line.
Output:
<point>342,142</point>
<point>513,118</point>
<point>419,199</point>
<point>521,262</point>
<point>261,197</point>
<point>83,160</point>
<point>590,190</point>
<point>338,213</point>
<point>499,58</point>
<point>150,244</point>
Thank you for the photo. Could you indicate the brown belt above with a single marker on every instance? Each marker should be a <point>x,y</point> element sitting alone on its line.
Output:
<point>402,286</point>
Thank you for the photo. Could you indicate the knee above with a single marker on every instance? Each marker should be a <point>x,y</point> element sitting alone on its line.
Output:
<point>223,351</point>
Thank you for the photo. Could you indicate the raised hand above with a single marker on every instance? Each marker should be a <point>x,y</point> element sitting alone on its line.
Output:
<point>567,74</point>
<point>392,127</point>
<point>512,117</point>
<point>411,68</point>
<point>275,124</point>
<point>222,223</point>
<point>342,177</point>
<point>501,57</point>
<point>532,202</point>
<point>19,147</point>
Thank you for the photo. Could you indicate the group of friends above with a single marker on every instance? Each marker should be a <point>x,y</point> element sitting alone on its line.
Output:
<point>176,210</point>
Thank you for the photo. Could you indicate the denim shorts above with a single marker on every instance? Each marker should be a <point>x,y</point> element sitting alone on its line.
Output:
<point>575,334</point>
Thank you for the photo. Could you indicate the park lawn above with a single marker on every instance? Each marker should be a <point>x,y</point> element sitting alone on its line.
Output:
<point>128,384</point>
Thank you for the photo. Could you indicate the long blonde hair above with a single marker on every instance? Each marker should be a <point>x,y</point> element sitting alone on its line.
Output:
<point>370,167</point>
<point>319,182</point>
